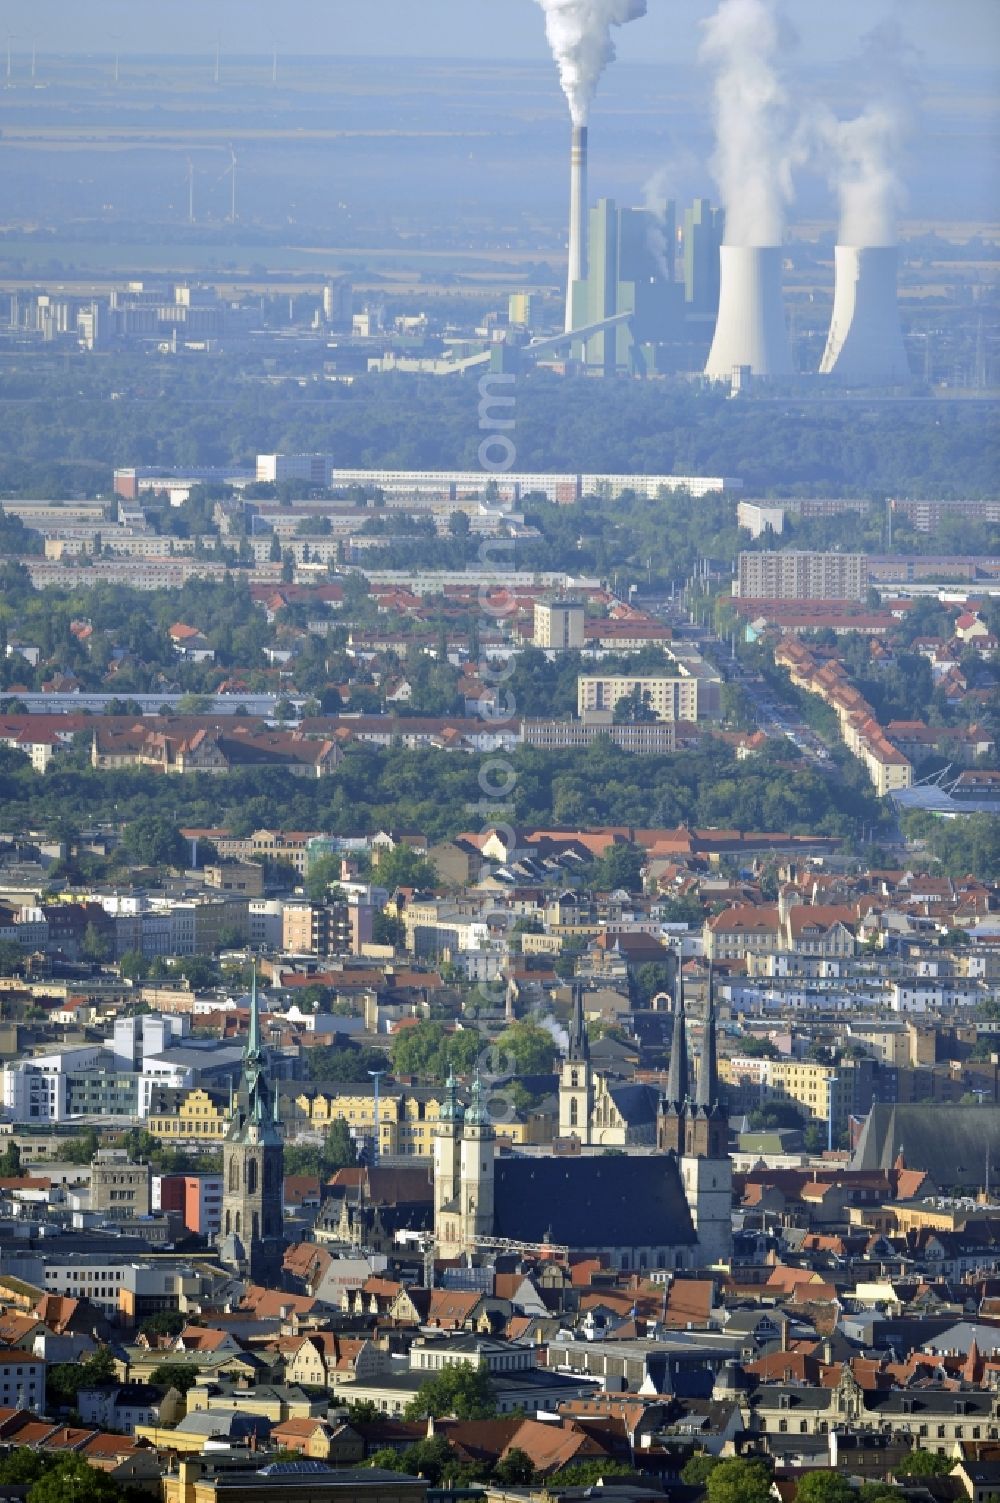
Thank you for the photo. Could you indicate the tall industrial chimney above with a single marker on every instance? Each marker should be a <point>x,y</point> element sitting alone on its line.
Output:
<point>577,217</point>
<point>750,329</point>
<point>865,342</point>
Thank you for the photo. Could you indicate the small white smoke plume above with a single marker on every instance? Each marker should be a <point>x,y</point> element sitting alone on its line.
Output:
<point>752,163</point>
<point>579,33</point>
<point>559,1034</point>
<point>864,154</point>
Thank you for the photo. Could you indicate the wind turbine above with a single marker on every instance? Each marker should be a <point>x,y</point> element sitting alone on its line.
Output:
<point>116,38</point>
<point>34,57</point>
<point>275,43</point>
<point>12,37</point>
<point>190,184</point>
<point>217,74</point>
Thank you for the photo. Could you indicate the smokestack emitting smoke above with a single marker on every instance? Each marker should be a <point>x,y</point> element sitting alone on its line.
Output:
<point>751,164</point>
<point>577,217</point>
<point>579,34</point>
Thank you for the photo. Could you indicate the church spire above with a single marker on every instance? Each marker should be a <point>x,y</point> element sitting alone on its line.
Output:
<point>579,1042</point>
<point>677,1078</point>
<point>252,1050</point>
<point>708,1078</point>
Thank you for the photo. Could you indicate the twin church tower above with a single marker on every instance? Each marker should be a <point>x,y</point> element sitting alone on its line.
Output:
<point>691,1125</point>
<point>666,1204</point>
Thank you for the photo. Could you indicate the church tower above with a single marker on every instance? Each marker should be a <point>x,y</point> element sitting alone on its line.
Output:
<point>674,1104</point>
<point>576,1078</point>
<point>477,1155</point>
<point>706,1168</point>
<point>251,1240</point>
<point>448,1150</point>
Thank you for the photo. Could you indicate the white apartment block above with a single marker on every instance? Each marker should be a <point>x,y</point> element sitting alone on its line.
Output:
<point>22,1380</point>
<point>671,696</point>
<point>800,574</point>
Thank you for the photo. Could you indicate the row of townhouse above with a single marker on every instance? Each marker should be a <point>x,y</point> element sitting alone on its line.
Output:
<point>862,734</point>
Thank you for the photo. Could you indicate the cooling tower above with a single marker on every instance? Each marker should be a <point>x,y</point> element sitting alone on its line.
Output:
<point>750,329</point>
<point>865,342</point>
<point>577,217</point>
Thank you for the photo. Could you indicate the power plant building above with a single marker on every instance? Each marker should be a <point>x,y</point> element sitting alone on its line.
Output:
<point>630,271</point>
<point>703,230</point>
<point>798,574</point>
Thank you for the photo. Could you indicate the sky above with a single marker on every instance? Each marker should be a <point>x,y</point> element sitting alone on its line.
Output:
<point>953,32</point>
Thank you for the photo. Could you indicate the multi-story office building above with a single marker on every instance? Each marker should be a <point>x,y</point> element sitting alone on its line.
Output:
<point>311,469</point>
<point>799,574</point>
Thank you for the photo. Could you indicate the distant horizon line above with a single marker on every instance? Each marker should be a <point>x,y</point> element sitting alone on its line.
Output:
<point>207,54</point>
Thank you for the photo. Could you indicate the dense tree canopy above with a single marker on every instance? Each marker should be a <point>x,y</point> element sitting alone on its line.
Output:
<point>63,433</point>
<point>458,1389</point>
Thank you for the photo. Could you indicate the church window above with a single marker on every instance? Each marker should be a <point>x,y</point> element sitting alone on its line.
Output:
<point>252,1177</point>
<point>236,1223</point>
<point>234,1173</point>
<point>229,1222</point>
<point>574,1078</point>
<point>574,1112</point>
<point>256,1227</point>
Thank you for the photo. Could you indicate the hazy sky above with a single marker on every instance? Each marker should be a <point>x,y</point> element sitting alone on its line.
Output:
<point>946,31</point>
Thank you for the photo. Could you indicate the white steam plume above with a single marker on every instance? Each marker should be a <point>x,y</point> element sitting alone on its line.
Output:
<point>742,42</point>
<point>654,195</point>
<point>560,1036</point>
<point>865,153</point>
<point>579,33</point>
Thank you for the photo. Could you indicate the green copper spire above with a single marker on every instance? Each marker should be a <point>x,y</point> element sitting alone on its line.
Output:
<point>478,1113</point>
<point>253,1035</point>
<point>451,1107</point>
